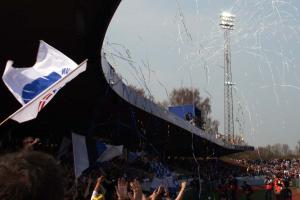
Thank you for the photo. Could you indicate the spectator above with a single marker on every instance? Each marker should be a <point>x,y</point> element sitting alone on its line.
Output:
<point>137,190</point>
<point>247,190</point>
<point>277,187</point>
<point>30,175</point>
<point>161,191</point>
<point>28,143</point>
<point>286,193</point>
<point>222,190</point>
<point>157,193</point>
<point>122,189</point>
<point>135,193</point>
<point>232,183</point>
<point>182,189</point>
<point>269,187</point>
<point>96,195</point>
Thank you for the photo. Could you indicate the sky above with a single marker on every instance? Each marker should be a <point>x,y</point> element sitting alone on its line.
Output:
<point>160,45</point>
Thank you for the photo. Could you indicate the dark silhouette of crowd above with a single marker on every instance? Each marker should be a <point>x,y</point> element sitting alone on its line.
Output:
<point>38,171</point>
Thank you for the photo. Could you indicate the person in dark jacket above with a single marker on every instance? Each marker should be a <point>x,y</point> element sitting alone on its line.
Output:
<point>286,193</point>
<point>247,190</point>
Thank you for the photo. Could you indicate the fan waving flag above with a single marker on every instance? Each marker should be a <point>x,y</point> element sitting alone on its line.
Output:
<point>88,151</point>
<point>35,86</point>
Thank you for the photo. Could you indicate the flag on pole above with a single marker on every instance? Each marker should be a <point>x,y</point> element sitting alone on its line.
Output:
<point>26,83</point>
<point>30,110</point>
<point>88,151</point>
<point>107,152</point>
<point>80,154</point>
<point>34,87</point>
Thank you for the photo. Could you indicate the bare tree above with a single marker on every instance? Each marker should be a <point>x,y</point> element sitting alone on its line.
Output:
<point>276,149</point>
<point>141,92</point>
<point>297,149</point>
<point>184,95</point>
<point>286,150</point>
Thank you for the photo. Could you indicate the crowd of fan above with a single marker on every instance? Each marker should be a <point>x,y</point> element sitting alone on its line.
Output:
<point>135,173</point>
<point>290,167</point>
<point>279,175</point>
<point>26,173</point>
<point>30,174</point>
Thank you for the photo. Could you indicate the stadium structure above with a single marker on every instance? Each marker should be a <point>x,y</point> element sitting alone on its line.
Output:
<point>96,103</point>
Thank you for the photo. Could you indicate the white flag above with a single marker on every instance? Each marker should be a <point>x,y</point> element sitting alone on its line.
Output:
<point>26,83</point>
<point>34,87</point>
<point>80,154</point>
<point>107,152</point>
<point>30,110</point>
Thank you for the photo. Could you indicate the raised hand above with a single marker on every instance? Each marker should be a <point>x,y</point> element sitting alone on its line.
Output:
<point>183,185</point>
<point>157,193</point>
<point>182,189</point>
<point>137,190</point>
<point>122,189</point>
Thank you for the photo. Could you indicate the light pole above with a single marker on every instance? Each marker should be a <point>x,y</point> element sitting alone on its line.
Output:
<point>227,22</point>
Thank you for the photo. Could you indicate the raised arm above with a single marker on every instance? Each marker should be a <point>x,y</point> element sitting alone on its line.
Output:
<point>182,189</point>
<point>97,186</point>
<point>137,190</point>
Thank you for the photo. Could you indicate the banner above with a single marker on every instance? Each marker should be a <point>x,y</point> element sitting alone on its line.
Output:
<point>80,154</point>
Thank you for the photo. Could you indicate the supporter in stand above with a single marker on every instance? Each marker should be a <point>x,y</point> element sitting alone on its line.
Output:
<point>136,188</point>
<point>135,192</point>
<point>247,190</point>
<point>96,192</point>
<point>161,192</point>
<point>211,173</point>
<point>181,191</point>
<point>278,184</point>
<point>30,175</point>
<point>222,190</point>
<point>158,193</point>
<point>29,143</point>
<point>232,188</point>
<point>286,193</point>
<point>268,187</point>
<point>289,168</point>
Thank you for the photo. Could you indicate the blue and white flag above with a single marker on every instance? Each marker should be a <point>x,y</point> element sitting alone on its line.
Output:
<point>34,87</point>
<point>26,83</point>
<point>107,152</point>
<point>87,151</point>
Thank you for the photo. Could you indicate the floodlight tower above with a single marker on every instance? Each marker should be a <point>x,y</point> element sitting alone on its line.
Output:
<point>227,23</point>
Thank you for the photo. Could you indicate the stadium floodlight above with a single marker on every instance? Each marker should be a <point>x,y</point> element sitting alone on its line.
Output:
<point>227,20</point>
<point>227,23</point>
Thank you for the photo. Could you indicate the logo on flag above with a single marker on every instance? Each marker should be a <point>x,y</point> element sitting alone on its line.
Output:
<point>44,101</point>
<point>32,89</point>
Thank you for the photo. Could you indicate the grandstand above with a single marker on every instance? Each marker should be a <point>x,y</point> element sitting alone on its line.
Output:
<point>97,103</point>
